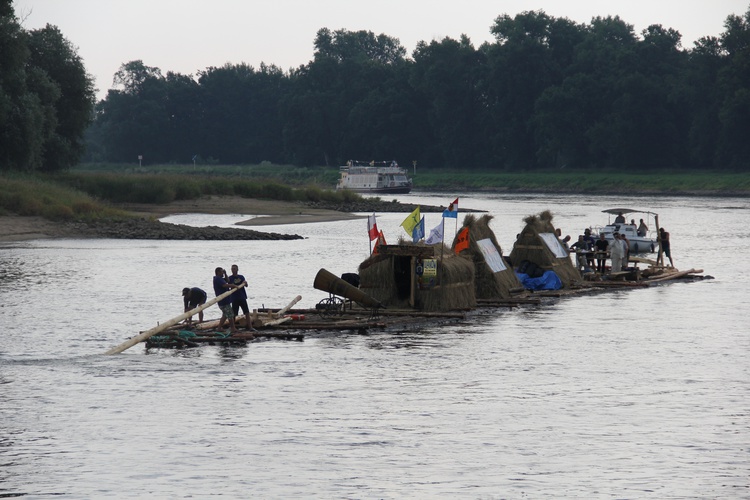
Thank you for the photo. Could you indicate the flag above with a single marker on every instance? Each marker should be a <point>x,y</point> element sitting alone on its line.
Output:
<point>411,222</point>
<point>436,234</point>
<point>418,232</point>
<point>381,241</point>
<point>452,211</point>
<point>462,240</point>
<point>372,227</point>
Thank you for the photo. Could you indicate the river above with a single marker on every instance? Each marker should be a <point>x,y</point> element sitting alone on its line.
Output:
<point>630,394</point>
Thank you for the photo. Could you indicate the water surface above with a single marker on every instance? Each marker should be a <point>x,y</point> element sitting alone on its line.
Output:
<point>629,394</point>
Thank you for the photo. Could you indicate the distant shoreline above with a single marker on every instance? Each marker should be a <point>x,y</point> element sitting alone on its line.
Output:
<point>271,212</point>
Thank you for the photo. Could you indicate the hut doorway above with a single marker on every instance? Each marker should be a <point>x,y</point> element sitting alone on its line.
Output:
<point>402,276</point>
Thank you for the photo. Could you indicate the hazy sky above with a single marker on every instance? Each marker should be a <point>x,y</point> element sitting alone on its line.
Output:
<point>190,35</point>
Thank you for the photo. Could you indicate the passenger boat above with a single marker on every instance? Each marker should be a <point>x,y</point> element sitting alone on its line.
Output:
<point>639,243</point>
<point>374,177</point>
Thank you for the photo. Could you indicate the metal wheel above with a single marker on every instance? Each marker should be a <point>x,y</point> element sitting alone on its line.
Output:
<point>332,306</point>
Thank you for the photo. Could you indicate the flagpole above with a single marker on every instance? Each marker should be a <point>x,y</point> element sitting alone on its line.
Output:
<point>368,234</point>
<point>442,253</point>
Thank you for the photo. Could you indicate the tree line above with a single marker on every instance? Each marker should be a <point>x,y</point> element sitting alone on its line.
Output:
<point>46,97</point>
<point>546,93</point>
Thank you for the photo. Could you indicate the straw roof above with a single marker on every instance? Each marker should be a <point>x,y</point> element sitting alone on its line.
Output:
<point>388,278</point>
<point>532,247</point>
<point>490,281</point>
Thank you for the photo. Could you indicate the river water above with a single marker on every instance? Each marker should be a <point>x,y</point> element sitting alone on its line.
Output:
<point>629,394</point>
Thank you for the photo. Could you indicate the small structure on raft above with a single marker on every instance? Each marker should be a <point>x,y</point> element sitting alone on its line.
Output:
<point>538,244</point>
<point>494,277</point>
<point>419,276</point>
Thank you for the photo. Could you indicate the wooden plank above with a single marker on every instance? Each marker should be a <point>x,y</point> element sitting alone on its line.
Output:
<point>406,251</point>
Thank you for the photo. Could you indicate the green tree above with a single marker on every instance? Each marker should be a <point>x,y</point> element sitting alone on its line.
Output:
<point>46,97</point>
<point>449,75</point>
<point>699,94</point>
<point>240,112</point>
<point>333,97</point>
<point>24,123</point>
<point>133,118</point>
<point>530,54</point>
<point>733,81</point>
<point>71,99</point>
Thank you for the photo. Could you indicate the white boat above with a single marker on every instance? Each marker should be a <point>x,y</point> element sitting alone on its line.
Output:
<point>374,177</point>
<point>639,242</point>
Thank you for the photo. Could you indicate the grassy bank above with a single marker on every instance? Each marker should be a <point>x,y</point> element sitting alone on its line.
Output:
<point>88,195</point>
<point>48,198</point>
<point>89,192</point>
<point>590,183</point>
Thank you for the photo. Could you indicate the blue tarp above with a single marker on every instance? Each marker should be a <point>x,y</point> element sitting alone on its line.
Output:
<point>547,281</point>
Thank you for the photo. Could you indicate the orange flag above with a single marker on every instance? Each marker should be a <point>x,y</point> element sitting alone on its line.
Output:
<point>462,240</point>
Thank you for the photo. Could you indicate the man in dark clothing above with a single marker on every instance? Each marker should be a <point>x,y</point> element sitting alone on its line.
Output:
<point>239,298</point>
<point>221,286</point>
<point>192,298</point>
<point>591,243</point>
<point>601,252</point>
<point>664,244</point>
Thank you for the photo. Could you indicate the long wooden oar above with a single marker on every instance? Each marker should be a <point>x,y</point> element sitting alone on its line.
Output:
<point>143,336</point>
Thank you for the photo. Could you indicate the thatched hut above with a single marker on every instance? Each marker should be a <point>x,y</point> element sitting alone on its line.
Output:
<point>418,276</point>
<point>494,277</point>
<point>538,244</point>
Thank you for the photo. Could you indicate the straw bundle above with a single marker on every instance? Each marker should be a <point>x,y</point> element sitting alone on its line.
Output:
<point>531,247</point>
<point>488,283</point>
<point>389,280</point>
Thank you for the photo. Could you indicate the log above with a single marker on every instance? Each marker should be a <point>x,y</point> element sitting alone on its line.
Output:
<point>145,335</point>
<point>277,321</point>
<point>288,306</point>
<point>676,275</point>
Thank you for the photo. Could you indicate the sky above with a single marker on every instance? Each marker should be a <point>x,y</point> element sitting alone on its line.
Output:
<point>187,36</point>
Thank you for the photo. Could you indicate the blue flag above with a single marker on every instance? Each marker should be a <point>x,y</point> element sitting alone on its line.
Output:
<point>418,232</point>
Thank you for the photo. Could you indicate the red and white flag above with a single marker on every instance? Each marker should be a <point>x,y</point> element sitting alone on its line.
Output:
<point>372,227</point>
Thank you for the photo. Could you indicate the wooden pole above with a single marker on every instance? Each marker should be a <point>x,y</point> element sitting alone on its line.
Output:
<point>289,306</point>
<point>413,285</point>
<point>145,335</point>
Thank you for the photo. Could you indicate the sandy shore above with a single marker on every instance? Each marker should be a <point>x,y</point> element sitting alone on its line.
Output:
<point>17,228</point>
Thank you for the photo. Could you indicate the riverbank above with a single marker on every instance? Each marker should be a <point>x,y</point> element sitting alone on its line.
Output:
<point>144,222</point>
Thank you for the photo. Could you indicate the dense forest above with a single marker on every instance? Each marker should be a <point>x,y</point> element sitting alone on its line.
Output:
<point>547,93</point>
<point>46,98</point>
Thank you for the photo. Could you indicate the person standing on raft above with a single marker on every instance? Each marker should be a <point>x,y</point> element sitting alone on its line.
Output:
<point>239,298</point>
<point>225,304</point>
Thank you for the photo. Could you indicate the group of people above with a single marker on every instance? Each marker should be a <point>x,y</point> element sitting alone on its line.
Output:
<point>230,305</point>
<point>587,248</point>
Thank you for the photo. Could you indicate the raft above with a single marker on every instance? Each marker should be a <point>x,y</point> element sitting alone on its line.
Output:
<point>182,338</point>
<point>295,324</point>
